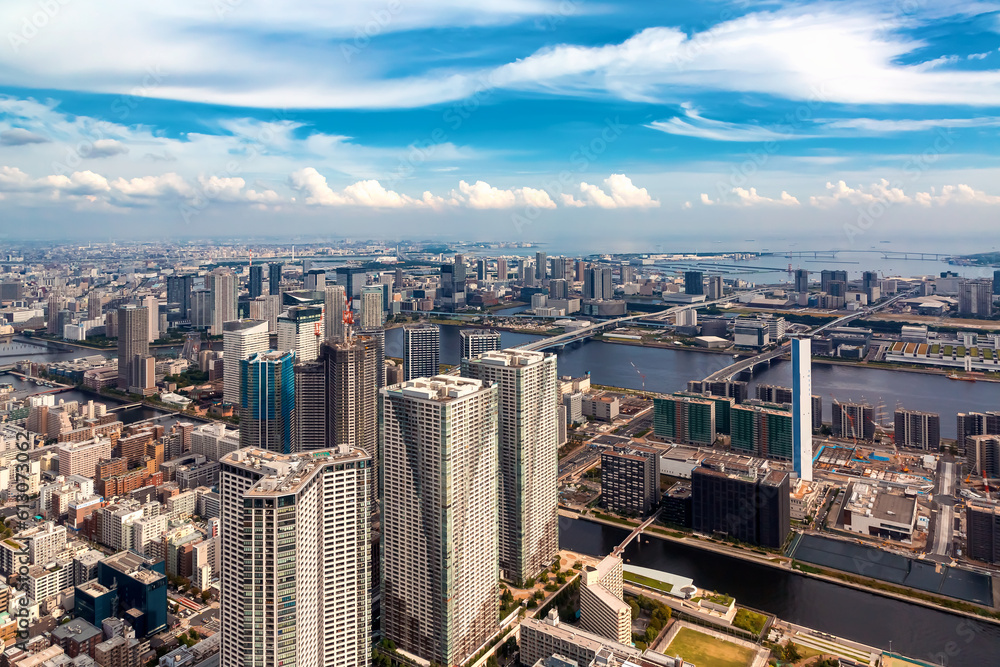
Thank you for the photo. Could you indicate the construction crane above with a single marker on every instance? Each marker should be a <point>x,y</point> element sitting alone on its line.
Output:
<point>348,320</point>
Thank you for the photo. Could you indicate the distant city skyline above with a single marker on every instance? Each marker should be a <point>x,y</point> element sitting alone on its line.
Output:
<point>534,119</point>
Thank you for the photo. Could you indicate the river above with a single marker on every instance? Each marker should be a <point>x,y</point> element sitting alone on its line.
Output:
<point>872,619</point>
<point>668,370</point>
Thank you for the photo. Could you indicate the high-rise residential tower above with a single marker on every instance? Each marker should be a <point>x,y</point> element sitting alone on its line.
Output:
<point>802,420</point>
<point>222,283</point>
<point>241,339</point>
<point>274,278</point>
<point>294,552</point>
<point>335,303</point>
<point>372,315</point>
<point>255,283</point>
<point>179,291</point>
<point>440,584</point>
<point>300,328</point>
<point>477,341</point>
<point>421,351</point>
<point>267,401</point>
<point>133,344</point>
<point>529,442</point>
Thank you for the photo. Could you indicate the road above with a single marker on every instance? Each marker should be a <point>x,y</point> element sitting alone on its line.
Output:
<point>734,369</point>
<point>944,504</point>
<point>571,336</point>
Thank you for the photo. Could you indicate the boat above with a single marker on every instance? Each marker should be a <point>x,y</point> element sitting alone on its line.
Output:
<point>964,378</point>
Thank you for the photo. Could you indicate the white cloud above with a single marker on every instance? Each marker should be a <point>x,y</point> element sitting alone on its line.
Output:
<point>840,54</point>
<point>880,191</point>
<point>743,197</point>
<point>104,148</point>
<point>155,187</point>
<point>906,125</point>
<point>956,194</point>
<point>977,56</point>
<point>618,192</point>
<point>18,136</point>
<point>695,125</point>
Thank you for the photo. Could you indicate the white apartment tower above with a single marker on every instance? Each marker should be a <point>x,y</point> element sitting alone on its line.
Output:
<point>421,351</point>
<point>222,283</point>
<point>438,446</point>
<point>477,341</point>
<point>529,441</point>
<point>371,308</point>
<point>300,329</point>
<point>294,558</point>
<point>241,339</point>
<point>335,303</point>
<point>802,421</point>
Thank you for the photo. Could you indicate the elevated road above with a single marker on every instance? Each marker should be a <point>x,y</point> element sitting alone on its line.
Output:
<point>573,336</point>
<point>747,364</point>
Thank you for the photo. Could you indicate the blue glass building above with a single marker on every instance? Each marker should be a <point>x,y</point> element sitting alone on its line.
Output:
<point>267,401</point>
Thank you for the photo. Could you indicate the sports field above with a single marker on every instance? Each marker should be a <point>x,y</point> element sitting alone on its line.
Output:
<point>706,651</point>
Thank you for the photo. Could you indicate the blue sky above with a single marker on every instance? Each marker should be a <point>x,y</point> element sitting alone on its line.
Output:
<point>842,122</point>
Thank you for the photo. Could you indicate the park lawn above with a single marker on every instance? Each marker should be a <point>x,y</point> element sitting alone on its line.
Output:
<point>648,581</point>
<point>706,651</point>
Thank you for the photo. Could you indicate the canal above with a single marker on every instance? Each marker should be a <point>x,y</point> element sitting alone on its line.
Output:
<point>872,619</point>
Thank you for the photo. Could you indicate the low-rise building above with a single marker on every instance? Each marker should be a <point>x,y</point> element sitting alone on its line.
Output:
<point>878,512</point>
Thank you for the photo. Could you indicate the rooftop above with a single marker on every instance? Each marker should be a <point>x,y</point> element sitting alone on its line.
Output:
<point>510,357</point>
<point>134,565</point>
<point>286,473</point>
<point>440,388</point>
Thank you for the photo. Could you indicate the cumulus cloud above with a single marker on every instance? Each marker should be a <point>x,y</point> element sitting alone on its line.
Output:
<point>956,194</point>
<point>841,192</point>
<point>369,193</point>
<point>18,136</point>
<point>618,192</point>
<point>750,197</point>
<point>482,195</point>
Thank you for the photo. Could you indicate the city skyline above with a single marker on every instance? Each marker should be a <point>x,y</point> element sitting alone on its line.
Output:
<point>544,117</point>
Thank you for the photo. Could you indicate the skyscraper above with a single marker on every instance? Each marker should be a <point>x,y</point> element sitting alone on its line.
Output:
<point>481,270</point>
<point>801,280</point>
<point>828,276</point>
<point>541,266</point>
<point>255,284</point>
<point>477,341</point>
<point>371,307</point>
<point>438,441</point>
<point>274,278</point>
<point>179,291</point>
<point>694,282</point>
<point>300,328</point>
<point>241,339</point>
<point>502,269</point>
<point>529,442</point>
<point>267,401</point>
<point>94,305</point>
<point>314,280</point>
<point>310,407</point>
<point>201,309</point>
<point>715,288</point>
<point>421,351</point>
<point>295,544</point>
<point>802,420</point>
<point>52,315</point>
<point>133,344</point>
<point>266,309</point>
<point>975,297</point>
<point>597,283</point>
<point>335,304</point>
<point>152,305</point>
<point>223,286</point>
<point>352,375</point>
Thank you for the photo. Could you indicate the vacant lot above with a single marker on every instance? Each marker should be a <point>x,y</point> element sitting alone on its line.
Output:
<point>706,651</point>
